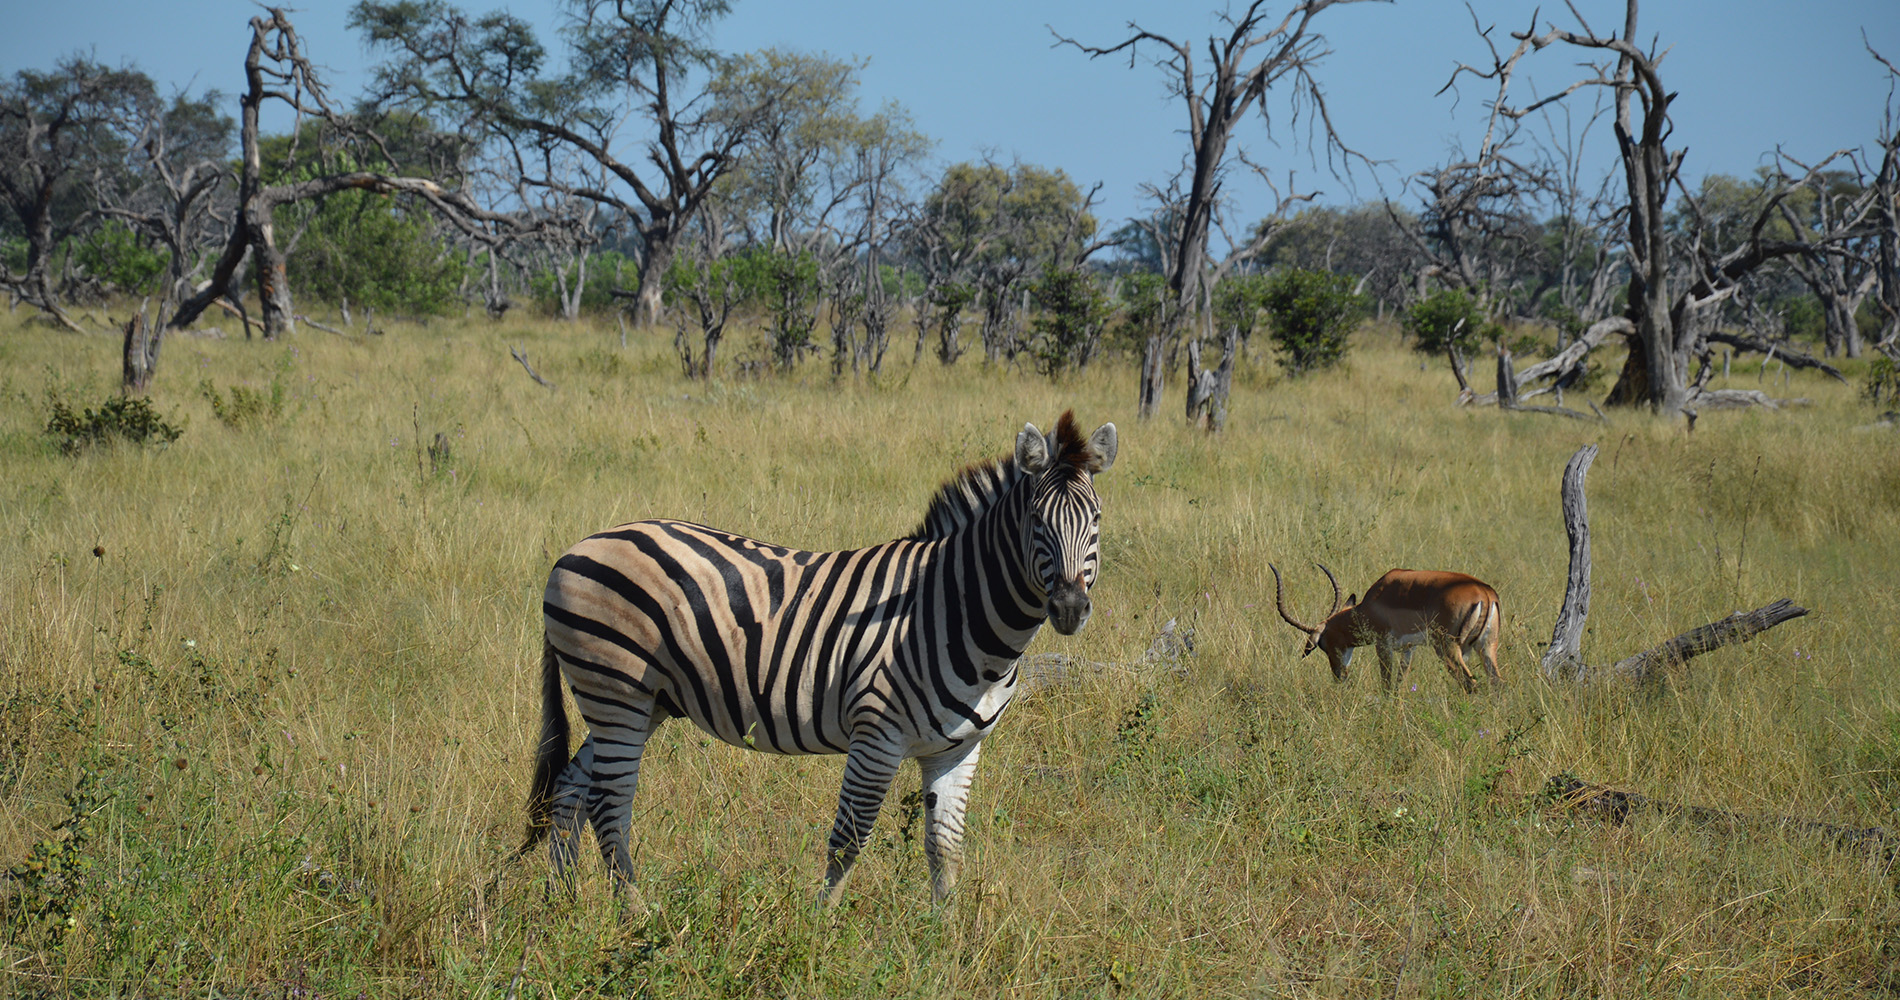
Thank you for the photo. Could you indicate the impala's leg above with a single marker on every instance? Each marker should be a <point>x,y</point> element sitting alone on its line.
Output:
<point>946,792</point>
<point>1454,657</point>
<point>1488,647</point>
<point>868,770</point>
<point>1384,649</point>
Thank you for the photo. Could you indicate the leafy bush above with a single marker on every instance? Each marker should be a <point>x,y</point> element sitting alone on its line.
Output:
<point>1142,295</point>
<point>1883,382</point>
<point>1238,300</point>
<point>1069,328</point>
<point>1312,313</point>
<point>1446,318</point>
<point>361,245</point>
<point>126,418</point>
<point>114,254</point>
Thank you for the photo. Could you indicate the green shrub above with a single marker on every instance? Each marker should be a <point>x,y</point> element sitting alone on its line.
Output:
<point>245,407</point>
<point>126,418</point>
<point>1883,382</point>
<point>1068,330</point>
<point>114,254</point>
<point>1312,313</point>
<point>1448,317</point>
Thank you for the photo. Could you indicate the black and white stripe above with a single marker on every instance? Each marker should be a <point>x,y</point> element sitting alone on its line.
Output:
<point>905,649</point>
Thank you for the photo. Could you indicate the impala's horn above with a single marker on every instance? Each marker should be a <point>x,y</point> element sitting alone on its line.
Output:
<point>1337,604</point>
<point>1279,602</point>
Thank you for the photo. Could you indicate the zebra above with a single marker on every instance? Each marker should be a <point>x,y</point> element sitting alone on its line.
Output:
<point>905,649</point>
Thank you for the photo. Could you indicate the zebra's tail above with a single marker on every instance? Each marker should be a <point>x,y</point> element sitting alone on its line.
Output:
<point>550,754</point>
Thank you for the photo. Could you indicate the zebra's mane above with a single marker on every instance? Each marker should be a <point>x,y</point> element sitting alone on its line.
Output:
<point>978,486</point>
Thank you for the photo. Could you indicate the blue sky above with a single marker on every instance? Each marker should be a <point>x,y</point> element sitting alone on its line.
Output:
<point>982,76</point>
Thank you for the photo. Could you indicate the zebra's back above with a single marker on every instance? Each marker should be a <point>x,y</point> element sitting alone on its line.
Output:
<point>761,646</point>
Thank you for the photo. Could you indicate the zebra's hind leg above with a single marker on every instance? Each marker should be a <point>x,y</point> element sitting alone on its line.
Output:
<point>868,770</point>
<point>616,774</point>
<point>946,794</point>
<point>570,789</point>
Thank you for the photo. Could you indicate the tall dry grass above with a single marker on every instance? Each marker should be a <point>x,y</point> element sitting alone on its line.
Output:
<point>276,737</point>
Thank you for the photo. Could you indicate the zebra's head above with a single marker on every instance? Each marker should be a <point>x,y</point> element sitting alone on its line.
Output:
<point>1063,527</point>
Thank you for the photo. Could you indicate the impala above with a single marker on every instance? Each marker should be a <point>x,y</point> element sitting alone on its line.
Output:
<point>1407,607</point>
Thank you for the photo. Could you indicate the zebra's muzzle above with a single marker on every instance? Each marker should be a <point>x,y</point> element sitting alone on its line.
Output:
<point>1069,606</point>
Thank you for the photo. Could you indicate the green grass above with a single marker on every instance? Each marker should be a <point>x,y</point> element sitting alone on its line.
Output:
<point>276,737</point>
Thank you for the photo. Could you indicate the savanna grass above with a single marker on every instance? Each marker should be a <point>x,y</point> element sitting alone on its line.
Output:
<point>267,693</point>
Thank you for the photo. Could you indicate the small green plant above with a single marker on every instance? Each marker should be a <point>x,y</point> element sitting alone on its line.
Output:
<point>1312,312</point>
<point>1883,382</point>
<point>245,407</point>
<point>123,418</point>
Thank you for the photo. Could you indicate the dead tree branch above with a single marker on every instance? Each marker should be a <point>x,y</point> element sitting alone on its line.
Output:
<point>1616,806</point>
<point>1738,627</point>
<point>1793,358</point>
<point>522,357</point>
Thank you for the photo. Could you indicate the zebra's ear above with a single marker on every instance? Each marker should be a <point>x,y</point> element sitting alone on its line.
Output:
<point>1032,450</point>
<point>1102,448</point>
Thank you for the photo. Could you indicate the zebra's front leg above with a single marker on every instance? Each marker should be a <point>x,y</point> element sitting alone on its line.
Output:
<point>868,770</point>
<point>946,788</point>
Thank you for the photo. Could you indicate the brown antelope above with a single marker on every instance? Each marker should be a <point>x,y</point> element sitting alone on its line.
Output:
<point>1407,607</point>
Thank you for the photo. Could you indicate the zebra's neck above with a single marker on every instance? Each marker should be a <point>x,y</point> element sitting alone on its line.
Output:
<point>969,494</point>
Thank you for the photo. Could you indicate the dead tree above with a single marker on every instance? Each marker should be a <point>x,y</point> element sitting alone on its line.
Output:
<point>1254,55</point>
<point>276,68</point>
<point>1563,659</point>
<point>53,126</point>
<point>1884,219</point>
<point>632,62</point>
<point>1662,308</point>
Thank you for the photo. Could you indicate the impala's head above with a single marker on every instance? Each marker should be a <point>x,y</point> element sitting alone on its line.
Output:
<point>1063,527</point>
<point>1329,634</point>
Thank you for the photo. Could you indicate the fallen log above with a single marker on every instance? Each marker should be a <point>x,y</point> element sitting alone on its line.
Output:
<point>1566,361</point>
<point>1738,627</point>
<point>1564,656</point>
<point>1507,393</point>
<point>1792,358</point>
<point>1043,670</point>
<point>1616,806</point>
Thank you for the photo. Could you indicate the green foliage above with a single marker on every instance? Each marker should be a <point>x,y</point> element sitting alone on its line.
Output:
<point>1312,313</point>
<point>1803,317</point>
<point>114,254</point>
<point>366,247</point>
<point>1025,213</point>
<point>606,269</point>
<point>1238,302</point>
<point>1883,382</point>
<point>1143,297</point>
<point>119,418</point>
<point>1449,316</point>
<point>1068,330</point>
<point>245,407</point>
<point>786,285</point>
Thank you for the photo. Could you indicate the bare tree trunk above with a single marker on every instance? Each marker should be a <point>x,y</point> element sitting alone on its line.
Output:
<point>1564,655</point>
<point>141,352</point>
<point>1149,396</point>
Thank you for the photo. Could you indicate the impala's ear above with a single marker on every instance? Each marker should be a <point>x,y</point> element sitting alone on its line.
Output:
<point>1032,450</point>
<point>1352,599</point>
<point>1102,448</point>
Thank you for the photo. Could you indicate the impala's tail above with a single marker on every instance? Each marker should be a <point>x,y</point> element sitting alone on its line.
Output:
<point>1480,618</point>
<point>550,755</point>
